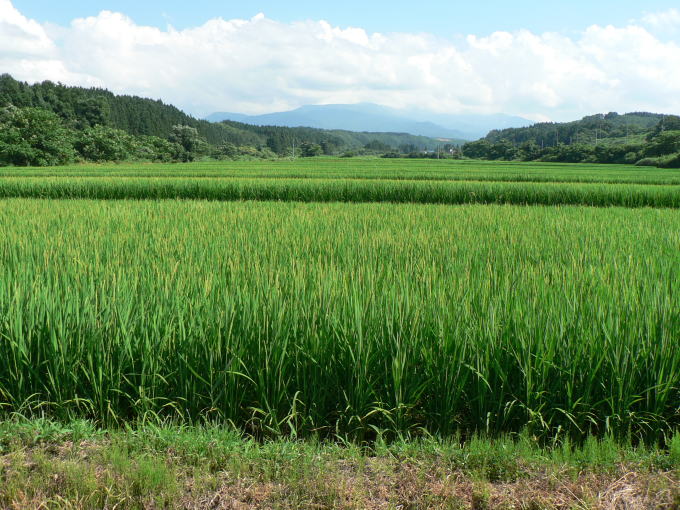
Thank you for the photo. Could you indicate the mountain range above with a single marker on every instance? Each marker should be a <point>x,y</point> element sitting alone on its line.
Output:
<point>377,118</point>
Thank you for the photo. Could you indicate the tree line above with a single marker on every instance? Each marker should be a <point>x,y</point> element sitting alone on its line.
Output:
<point>635,138</point>
<point>51,124</point>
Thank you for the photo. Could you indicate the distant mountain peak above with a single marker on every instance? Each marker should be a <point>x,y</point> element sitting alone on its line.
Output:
<point>371,117</point>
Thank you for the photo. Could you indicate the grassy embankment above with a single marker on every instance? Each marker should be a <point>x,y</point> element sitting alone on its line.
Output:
<point>47,465</point>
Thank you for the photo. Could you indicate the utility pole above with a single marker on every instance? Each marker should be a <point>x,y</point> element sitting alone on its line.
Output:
<point>293,149</point>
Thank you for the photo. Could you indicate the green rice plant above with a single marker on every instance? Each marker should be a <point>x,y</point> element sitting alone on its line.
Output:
<point>370,168</point>
<point>346,190</point>
<point>346,320</point>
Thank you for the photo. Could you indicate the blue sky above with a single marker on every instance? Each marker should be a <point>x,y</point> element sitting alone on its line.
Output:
<point>443,18</point>
<point>540,60</point>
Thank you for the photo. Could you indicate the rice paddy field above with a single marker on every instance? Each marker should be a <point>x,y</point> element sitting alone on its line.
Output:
<point>371,168</point>
<point>356,299</point>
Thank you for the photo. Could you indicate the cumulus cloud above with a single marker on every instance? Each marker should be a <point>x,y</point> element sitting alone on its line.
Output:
<point>27,51</point>
<point>665,20</point>
<point>261,65</point>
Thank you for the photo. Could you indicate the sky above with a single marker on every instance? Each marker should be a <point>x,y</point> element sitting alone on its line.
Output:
<point>442,18</point>
<point>541,60</point>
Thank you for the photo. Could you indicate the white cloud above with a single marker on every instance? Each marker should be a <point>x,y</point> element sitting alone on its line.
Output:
<point>27,51</point>
<point>21,37</point>
<point>664,19</point>
<point>262,65</point>
<point>663,24</point>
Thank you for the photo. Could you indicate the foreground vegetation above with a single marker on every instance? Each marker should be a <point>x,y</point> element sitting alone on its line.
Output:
<point>370,354</point>
<point>350,320</point>
<point>44,464</point>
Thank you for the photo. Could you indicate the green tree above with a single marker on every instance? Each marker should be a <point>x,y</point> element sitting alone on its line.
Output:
<point>529,151</point>
<point>153,148</point>
<point>481,149</point>
<point>669,161</point>
<point>503,149</point>
<point>101,143</point>
<point>191,143</point>
<point>92,111</point>
<point>328,147</point>
<point>377,146</point>
<point>666,142</point>
<point>225,150</point>
<point>309,149</point>
<point>666,123</point>
<point>33,137</point>
<point>407,148</point>
<point>575,153</point>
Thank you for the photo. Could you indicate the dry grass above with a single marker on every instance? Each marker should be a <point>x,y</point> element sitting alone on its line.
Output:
<point>95,474</point>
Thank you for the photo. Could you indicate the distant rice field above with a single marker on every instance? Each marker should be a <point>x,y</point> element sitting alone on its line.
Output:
<point>372,168</point>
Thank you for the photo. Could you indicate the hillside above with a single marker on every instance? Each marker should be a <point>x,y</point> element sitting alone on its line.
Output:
<point>82,108</point>
<point>590,130</point>
<point>642,138</point>
<point>373,117</point>
<point>280,139</point>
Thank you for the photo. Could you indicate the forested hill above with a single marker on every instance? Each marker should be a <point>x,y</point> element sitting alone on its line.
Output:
<point>640,138</point>
<point>51,124</point>
<point>589,130</point>
<point>281,139</point>
<point>82,108</point>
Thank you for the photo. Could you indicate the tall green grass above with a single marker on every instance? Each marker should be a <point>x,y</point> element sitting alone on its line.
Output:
<point>371,168</point>
<point>345,190</point>
<point>360,320</point>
